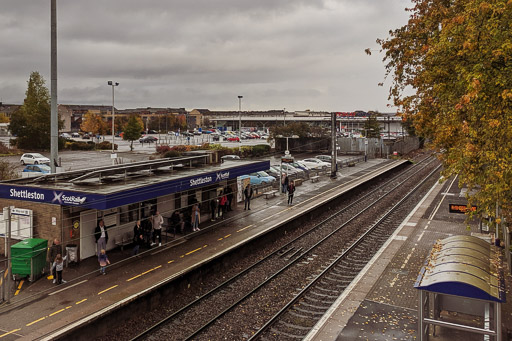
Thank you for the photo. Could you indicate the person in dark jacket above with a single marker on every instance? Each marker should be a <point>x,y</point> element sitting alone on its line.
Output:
<point>138,237</point>
<point>55,249</point>
<point>291,190</point>
<point>229,193</point>
<point>213,208</point>
<point>248,195</point>
<point>101,235</point>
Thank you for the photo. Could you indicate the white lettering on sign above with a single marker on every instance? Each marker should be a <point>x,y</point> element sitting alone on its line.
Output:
<point>26,194</point>
<point>200,181</point>
<point>222,175</point>
<point>67,199</point>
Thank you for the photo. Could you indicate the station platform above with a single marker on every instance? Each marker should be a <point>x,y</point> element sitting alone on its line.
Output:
<point>382,303</point>
<point>43,310</point>
<point>379,305</point>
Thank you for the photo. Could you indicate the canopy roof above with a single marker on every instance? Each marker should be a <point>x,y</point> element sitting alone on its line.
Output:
<point>464,266</point>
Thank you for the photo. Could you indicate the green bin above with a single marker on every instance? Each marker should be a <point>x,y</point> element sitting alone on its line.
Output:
<point>29,258</point>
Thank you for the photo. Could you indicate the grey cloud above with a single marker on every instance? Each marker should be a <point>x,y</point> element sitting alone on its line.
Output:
<point>202,53</point>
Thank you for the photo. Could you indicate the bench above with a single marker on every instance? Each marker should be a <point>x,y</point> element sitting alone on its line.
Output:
<point>123,240</point>
<point>297,182</point>
<point>314,178</point>
<point>270,194</point>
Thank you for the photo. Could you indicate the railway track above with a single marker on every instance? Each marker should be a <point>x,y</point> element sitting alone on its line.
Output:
<point>286,292</point>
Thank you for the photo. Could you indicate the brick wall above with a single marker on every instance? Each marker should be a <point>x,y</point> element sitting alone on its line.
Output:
<point>42,220</point>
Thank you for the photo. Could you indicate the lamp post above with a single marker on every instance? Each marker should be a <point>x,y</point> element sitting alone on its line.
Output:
<point>113,84</point>
<point>240,118</point>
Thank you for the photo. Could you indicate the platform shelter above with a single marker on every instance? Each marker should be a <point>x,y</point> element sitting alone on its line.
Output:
<point>461,287</point>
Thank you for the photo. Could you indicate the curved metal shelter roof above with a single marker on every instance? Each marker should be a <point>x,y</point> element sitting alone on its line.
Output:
<point>464,266</point>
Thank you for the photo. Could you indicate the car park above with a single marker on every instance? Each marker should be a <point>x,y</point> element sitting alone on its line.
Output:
<point>37,169</point>
<point>34,159</point>
<point>148,139</point>
<point>316,164</point>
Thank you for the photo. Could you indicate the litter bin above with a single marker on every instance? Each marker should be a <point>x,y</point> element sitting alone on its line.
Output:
<point>72,253</point>
<point>29,258</point>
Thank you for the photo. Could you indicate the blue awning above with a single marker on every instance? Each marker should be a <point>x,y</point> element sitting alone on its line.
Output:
<point>464,266</point>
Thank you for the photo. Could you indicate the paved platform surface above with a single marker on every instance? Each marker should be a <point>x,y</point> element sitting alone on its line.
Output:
<point>381,304</point>
<point>42,307</point>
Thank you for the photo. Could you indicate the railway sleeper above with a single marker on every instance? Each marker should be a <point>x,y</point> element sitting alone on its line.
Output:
<point>305,314</point>
<point>313,292</point>
<point>293,326</point>
<point>318,307</point>
<point>278,332</point>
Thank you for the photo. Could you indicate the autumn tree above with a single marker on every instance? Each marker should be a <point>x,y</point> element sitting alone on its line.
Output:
<point>31,121</point>
<point>132,129</point>
<point>451,68</point>
<point>93,123</point>
<point>4,118</point>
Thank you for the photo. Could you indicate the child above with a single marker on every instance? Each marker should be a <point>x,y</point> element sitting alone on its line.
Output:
<point>103,259</point>
<point>58,265</point>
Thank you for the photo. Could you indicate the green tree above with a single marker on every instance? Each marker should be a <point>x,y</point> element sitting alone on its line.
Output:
<point>371,127</point>
<point>31,122</point>
<point>456,57</point>
<point>132,129</point>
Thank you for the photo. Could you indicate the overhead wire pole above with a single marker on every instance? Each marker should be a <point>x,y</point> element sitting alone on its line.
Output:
<point>240,118</point>
<point>333,146</point>
<point>54,115</point>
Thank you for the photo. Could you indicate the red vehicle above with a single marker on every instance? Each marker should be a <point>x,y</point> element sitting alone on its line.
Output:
<point>234,139</point>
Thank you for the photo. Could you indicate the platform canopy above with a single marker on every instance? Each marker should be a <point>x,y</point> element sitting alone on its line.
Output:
<point>464,266</point>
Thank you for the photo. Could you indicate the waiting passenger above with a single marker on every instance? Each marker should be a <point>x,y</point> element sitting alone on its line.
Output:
<point>138,238</point>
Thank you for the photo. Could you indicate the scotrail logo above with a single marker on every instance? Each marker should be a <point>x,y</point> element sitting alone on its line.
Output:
<point>67,199</point>
<point>222,176</point>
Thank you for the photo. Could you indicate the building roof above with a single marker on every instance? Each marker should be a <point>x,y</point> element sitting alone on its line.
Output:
<point>113,186</point>
<point>463,266</point>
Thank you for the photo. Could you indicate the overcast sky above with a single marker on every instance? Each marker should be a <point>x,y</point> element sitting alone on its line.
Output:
<point>293,54</point>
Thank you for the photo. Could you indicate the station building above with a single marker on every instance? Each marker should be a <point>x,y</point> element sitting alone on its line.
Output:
<point>69,205</point>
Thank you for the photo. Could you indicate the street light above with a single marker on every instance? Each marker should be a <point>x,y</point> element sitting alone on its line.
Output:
<point>240,118</point>
<point>113,84</point>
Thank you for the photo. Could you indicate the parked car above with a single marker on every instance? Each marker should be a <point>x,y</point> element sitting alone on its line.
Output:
<point>315,163</point>
<point>148,139</point>
<point>328,159</point>
<point>290,170</point>
<point>230,157</point>
<point>86,137</point>
<point>75,134</point>
<point>301,167</point>
<point>273,171</point>
<point>34,159</point>
<point>234,139</point>
<point>65,136</point>
<point>151,131</point>
<point>259,178</point>
<point>42,169</point>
